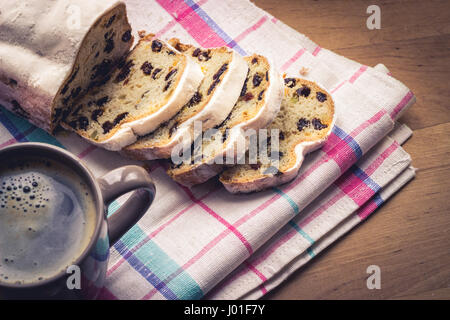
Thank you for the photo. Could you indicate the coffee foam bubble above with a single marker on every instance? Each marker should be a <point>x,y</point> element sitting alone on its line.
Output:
<point>46,219</point>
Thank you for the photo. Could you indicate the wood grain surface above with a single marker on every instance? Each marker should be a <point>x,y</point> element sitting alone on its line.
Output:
<point>409,237</point>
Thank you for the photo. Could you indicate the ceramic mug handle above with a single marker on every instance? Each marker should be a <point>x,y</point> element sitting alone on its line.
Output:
<point>118,182</point>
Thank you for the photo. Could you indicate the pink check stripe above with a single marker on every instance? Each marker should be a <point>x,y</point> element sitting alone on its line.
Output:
<point>260,276</point>
<point>105,294</point>
<point>220,219</point>
<point>368,123</point>
<point>341,153</point>
<point>338,86</point>
<point>332,150</point>
<point>352,79</point>
<point>256,271</point>
<point>18,137</point>
<point>367,209</point>
<point>271,249</point>
<point>318,212</point>
<point>381,158</point>
<point>403,103</point>
<point>192,23</point>
<point>166,28</point>
<point>352,185</point>
<point>7,143</point>
<point>294,58</point>
<point>86,151</point>
<point>173,22</point>
<point>355,188</point>
<point>357,74</point>
<point>256,26</point>
<point>316,51</point>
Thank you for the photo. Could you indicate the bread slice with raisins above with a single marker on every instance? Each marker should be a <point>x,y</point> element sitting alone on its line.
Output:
<point>146,89</point>
<point>303,124</point>
<point>49,58</point>
<point>225,72</point>
<point>257,106</point>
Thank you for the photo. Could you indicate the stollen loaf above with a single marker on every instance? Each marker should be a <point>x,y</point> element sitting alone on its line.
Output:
<point>51,52</point>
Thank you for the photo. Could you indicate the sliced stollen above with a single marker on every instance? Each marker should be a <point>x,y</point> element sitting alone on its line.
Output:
<point>146,89</point>
<point>225,72</point>
<point>52,51</point>
<point>305,121</point>
<point>257,106</point>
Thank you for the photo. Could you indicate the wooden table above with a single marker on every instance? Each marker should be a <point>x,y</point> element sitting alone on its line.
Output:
<point>409,237</point>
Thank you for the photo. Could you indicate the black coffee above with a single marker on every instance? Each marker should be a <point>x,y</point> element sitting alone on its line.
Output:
<point>47,218</point>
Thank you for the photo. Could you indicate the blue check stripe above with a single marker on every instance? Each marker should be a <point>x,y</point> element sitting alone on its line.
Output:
<point>304,235</point>
<point>292,223</point>
<point>5,116</point>
<point>365,178</point>
<point>158,265</point>
<point>215,27</point>
<point>301,231</point>
<point>288,199</point>
<point>144,271</point>
<point>349,140</point>
<point>24,131</point>
<point>378,200</point>
<point>311,252</point>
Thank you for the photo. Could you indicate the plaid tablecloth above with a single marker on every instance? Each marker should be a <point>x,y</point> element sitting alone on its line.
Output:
<point>205,242</point>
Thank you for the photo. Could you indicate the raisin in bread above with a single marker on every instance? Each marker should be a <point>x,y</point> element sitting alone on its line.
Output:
<point>257,106</point>
<point>52,51</point>
<point>305,121</point>
<point>225,72</point>
<point>148,87</point>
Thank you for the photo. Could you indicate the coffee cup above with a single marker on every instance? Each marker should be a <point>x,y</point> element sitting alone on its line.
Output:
<point>55,233</point>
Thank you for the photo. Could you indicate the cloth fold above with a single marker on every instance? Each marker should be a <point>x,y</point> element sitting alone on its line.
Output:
<point>204,240</point>
<point>349,201</point>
